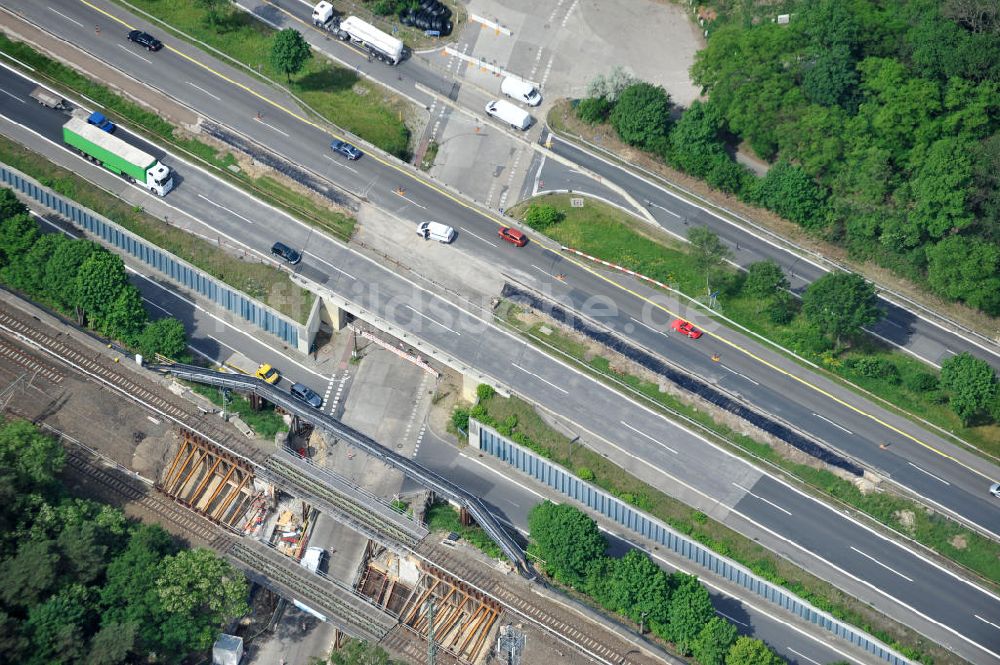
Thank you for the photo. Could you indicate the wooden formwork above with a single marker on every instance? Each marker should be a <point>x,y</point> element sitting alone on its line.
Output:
<point>463,617</point>
<point>209,480</point>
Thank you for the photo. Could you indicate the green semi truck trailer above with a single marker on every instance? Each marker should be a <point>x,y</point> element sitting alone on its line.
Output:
<point>118,156</point>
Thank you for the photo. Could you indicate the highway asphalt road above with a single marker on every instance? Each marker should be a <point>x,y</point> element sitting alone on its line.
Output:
<point>905,328</point>
<point>509,499</point>
<point>964,616</point>
<point>765,379</point>
<point>541,380</point>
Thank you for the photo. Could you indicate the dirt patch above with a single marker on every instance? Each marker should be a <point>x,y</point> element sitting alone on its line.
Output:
<point>958,542</point>
<point>906,518</point>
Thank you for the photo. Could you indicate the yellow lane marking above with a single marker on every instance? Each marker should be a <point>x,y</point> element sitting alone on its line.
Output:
<point>552,249</point>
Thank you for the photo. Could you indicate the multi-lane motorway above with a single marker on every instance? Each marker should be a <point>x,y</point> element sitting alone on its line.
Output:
<point>970,614</point>
<point>916,458</point>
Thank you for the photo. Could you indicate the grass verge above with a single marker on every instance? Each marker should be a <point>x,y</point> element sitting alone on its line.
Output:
<point>265,423</point>
<point>443,517</point>
<point>517,419</point>
<point>429,156</point>
<point>910,386</point>
<point>257,280</point>
<point>337,94</point>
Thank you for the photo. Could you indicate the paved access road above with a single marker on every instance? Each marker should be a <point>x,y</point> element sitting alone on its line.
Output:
<point>917,459</point>
<point>904,585</point>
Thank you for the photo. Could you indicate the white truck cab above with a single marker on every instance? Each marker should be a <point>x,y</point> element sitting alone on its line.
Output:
<point>322,13</point>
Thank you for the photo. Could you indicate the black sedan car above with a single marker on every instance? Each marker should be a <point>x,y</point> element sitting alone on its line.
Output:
<point>145,40</point>
<point>346,149</point>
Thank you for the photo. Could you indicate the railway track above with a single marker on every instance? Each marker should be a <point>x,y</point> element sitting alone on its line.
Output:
<point>119,482</point>
<point>595,642</point>
<point>352,613</point>
<point>413,647</point>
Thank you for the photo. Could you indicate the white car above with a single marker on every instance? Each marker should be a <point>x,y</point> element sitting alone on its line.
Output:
<point>436,231</point>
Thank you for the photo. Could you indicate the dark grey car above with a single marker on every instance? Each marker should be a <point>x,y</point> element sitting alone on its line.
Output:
<point>285,252</point>
<point>346,149</point>
<point>306,394</point>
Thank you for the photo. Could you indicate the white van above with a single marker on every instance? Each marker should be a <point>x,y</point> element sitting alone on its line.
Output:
<point>436,231</point>
<point>312,559</point>
<point>522,91</point>
<point>512,115</point>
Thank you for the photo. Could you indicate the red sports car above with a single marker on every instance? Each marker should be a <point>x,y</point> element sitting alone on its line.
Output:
<point>685,328</point>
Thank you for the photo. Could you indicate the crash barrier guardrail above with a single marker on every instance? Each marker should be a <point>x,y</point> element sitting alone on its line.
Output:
<point>174,268</point>
<point>444,488</point>
<point>488,440</point>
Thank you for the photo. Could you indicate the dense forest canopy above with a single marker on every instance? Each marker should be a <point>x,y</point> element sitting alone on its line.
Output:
<point>892,108</point>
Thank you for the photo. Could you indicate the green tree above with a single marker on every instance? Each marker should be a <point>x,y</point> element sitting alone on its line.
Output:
<point>33,459</point>
<point>164,336</point>
<point>708,251</point>
<point>690,609</point>
<point>127,318</point>
<point>289,52</point>
<point>202,591</point>
<point>764,280</point>
<point>968,269</point>
<point>541,216</point>
<point>841,304</point>
<point>10,205</point>
<point>101,279</point>
<point>831,79</point>
<point>30,575</point>
<point>62,269</point>
<point>57,626</point>
<point>750,651</point>
<point>793,194</point>
<point>713,641</point>
<point>640,590</point>
<point>567,540</point>
<point>17,234</point>
<point>695,146</point>
<point>28,273</point>
<point>972,384</point>
<point>641,116</point>
<point>359,652</point>
<point>112,644</point>
<point>941,187</point>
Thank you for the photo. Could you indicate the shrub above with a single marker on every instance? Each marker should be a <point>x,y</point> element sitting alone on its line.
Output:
<point>541,216</point>
<point>593,110</point>
<point>641,116</point>
<point>460,419</point>
<point>921,382</point>
<point>874,368</point>
<point>484,392</point>
<point>585,474</point>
